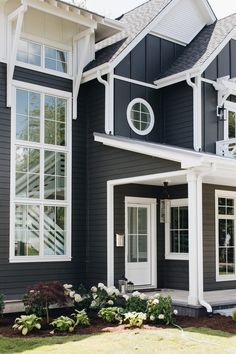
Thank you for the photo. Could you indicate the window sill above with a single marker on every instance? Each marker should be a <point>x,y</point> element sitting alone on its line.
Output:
<point>44,70</point>
<point>177,257</point>
<point>26,259</point>
<point>225,278</point>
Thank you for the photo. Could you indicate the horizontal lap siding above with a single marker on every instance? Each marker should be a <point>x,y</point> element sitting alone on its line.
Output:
<point>15,278</point>
<point>209,246</point>
<point>105,163</point>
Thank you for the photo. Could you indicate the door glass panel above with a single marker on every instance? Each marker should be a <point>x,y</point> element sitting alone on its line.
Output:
<point>137,234</point>
<point>231,124</point>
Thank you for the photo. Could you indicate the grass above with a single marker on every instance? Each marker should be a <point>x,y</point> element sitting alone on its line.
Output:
<point>192,340</point>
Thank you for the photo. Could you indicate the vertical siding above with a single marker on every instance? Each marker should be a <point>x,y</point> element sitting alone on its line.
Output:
<point>149,59</point>
<point>15,278</point>
<point>209,244</point>
<point>171,274</point>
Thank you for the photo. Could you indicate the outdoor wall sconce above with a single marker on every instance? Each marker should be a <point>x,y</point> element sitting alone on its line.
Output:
<point>221,113</point>
<point>120,240</point>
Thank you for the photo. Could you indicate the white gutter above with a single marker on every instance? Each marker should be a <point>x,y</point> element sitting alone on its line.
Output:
<point>201,300</point>
<point>107,101</point>
<point>197,106</point>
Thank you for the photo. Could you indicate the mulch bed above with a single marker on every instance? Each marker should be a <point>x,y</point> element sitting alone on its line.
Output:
<point>216,322</point>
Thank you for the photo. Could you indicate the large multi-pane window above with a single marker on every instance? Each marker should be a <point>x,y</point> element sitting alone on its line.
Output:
<point>176,230</point>
<point>225,235</point>
<point>43,56</point>
<point>41,175</point>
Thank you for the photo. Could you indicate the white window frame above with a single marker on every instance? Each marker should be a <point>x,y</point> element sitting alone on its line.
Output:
<point>152,117</point>
<point>47,43</point>
<point>229,195</point>
<point>68,150</point>
<point>229,106</point>
<point>168,254</point>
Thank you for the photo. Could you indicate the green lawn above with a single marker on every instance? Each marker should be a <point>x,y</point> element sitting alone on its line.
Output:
<point>192,340</point>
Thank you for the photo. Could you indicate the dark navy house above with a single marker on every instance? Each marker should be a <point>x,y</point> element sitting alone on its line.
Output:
<point>117,149</point>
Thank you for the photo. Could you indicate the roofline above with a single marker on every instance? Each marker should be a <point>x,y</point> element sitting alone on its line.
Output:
<point>181,76</point>
<point>187,158</point>
<point>210,10</point>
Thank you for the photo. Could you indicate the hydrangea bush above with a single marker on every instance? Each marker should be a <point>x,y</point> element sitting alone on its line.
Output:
<point>160,309</point>
<point>136,302</point>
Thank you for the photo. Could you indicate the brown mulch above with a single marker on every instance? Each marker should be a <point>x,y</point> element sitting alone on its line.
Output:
<point>215,322</point>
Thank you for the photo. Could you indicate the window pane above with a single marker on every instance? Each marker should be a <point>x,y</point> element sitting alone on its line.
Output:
<point>50,132</point>
<point>61,110</point>
<point>49,187</point>
<point>34,130</point>
<point>142,221</point>
<point>226,232</point>
<point>174,218</point>
<point>62,67</point>
<point>49,163</point>
<point>21,185</point>
<point>231,124</point>
<point>50,107</point>
<point>54,230</point>
<point>22,102</point>
<point>183,217</point>
<point>50,64</point>
<point>34,59</point>
<point>50,53</point>
<point>60,134</point>
<point>132,220</point>
<point>61,56</point>
<point>21,159</point>
<point>60,188</point>
<point>142,246</point>
<point>183,241</point>
<point>34,104</point>
<point>132,249</point>
<point>60,164</point>
<point>33,185</point>
<point>35,49</point>
<point>174,241</point>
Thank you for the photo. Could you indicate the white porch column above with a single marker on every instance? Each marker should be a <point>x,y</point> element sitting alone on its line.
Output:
<point>193,237</point>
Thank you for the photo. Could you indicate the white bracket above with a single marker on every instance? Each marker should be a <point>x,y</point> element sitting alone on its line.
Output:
<point>225,87</point>
<point>13,41</point>
<point>79,61</point>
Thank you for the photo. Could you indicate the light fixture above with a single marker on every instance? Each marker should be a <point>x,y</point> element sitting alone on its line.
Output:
<point>221,112</point>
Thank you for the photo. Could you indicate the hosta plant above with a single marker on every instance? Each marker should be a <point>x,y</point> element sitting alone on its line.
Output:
<point>135,319</point>
<point>26,323</point>
<point>159,309</point>
<point>63,324</point>
<point>111,314</point>
<point>80,318</point>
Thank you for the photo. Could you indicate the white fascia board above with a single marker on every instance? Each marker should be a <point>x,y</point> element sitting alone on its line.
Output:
<point>210,12</point>
<point>91,74</point>
<point>174,79</point>
<point>187,159</point>
<point>113,23</point>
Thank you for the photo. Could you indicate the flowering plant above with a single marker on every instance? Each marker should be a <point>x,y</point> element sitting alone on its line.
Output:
<point>135,319</point>
<point>136,302</point>
<point>159,308</point>
<point>103,296</point>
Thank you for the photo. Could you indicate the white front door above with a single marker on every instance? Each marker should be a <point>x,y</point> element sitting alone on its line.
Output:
<point>140,242</point>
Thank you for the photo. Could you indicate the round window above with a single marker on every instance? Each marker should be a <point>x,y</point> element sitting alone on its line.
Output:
<point>140,116</point>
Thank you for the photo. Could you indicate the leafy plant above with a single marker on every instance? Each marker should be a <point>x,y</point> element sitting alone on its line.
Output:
<point>42,295</point>
<point>80,318</point>
<point>26,323</point>
<point>135,319</point>
<point>63,324</point>
<point>103,296</point>
<point>234,314</point>
<point>136,303</point>
<point>111,314</point>
<point>160,309</point>
<point>2,305</point>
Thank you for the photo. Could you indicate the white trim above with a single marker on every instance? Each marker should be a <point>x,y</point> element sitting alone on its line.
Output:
<point>168,254</point>
<point>151,113</point>
<point>159,35</point>
<point>230,195</point>
<point>46,42</point>
<point>136,82</point>
<point>110,212</point>
<point>42,90</point>
<point>230,106</point>
<point>152,202</point>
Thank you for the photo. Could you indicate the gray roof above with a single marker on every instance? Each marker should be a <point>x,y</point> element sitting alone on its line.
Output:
<point>203,46</point>
<point>135,21</point>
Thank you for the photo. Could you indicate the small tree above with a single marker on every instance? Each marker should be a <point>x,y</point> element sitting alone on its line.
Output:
<point>42,295</point>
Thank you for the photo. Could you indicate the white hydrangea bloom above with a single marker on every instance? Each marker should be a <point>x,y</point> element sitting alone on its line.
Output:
<point>175,312</point>
<point>152,318</point>
<point>101,285</point>
<point>67,286</point>
<point>155,302</point>
<point>93,304</point>
<point>94,289</point>
<point>126,297</point>
<point>110,291</point>
<point>161,317</point>
<point>156,296</point>
<point>110,302</point>
<point>78,298</point>
<point>142,296</point>
<point>136,293</point>
<point>72,294</point>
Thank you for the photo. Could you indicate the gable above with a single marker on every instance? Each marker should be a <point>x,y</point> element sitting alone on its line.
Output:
<point>183,22</point>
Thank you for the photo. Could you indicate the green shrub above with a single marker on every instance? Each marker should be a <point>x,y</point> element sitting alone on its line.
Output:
<point>2,304</point>
<point>26,323</point>
<point>135,319</point>
<point>136,303</point>
<point>160,309</point>
<point>80,318</point>
<point>63,324</point>
<point>111,314</point>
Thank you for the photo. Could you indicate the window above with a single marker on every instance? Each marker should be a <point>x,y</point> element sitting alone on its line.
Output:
<point>176,229</point>
<point>230,121</point>
<point>140,116</point>
<point>43,56</point>
<point>225,235</point>
<point>40,195</point>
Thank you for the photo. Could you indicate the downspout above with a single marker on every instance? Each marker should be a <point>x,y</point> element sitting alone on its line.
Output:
<point>197,106</point>
<point>201,299</point>
<point>107,101</point>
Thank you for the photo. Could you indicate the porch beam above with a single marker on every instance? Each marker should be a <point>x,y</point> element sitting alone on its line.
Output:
<point>193,237</point>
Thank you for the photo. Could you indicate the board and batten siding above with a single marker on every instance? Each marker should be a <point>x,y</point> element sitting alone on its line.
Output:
<point>105,163</point>
<point>172,274</point>
<point>209,243</point>
<point>15,278</point>
<point>223,65</point>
